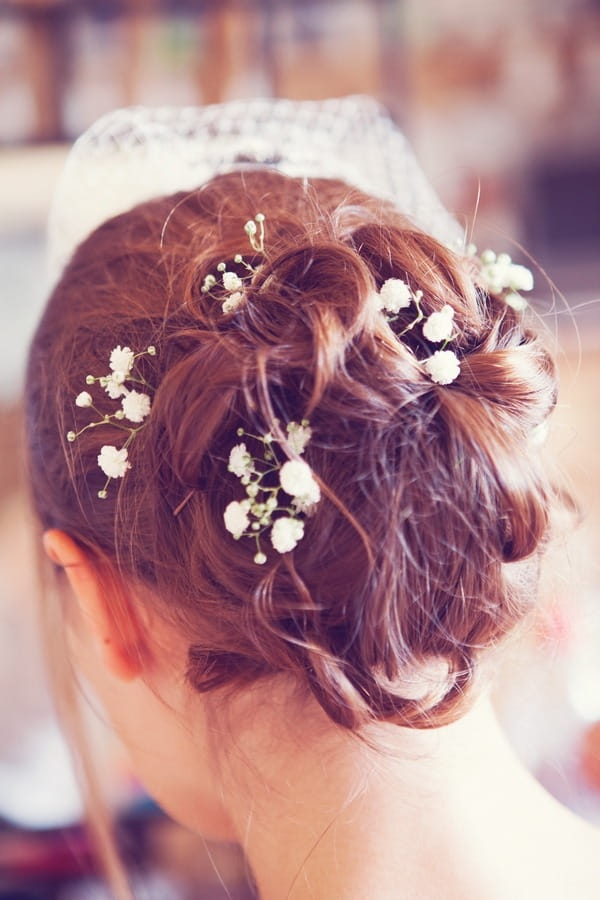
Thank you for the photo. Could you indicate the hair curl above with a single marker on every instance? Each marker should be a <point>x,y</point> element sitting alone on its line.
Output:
<point>429,491</point>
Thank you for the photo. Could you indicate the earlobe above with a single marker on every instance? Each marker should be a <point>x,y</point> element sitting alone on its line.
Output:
<point>105,615</point>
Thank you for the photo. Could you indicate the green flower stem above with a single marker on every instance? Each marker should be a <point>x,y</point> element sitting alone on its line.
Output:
<point>106,419</point>
<point>419,318</point>
<point>261,475</point>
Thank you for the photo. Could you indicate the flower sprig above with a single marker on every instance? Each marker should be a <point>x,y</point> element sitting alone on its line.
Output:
<point>443,366</point>
<point>278,495</point>
<point>255,229</point>
<point>233,283</point>
<point>501,277</point>
<point>134,407</point>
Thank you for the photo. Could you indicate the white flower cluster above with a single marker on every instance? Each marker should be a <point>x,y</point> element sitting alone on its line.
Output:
<point>443,367</point>
<point>113,462</point>
<point>232,283</point>
<point>264,480</point>
<point>135,407</point>
<point>503,278</point>
<point>394,295</point>
<point>498,275</point>
<point>439,325</point>
<point>255,229</point>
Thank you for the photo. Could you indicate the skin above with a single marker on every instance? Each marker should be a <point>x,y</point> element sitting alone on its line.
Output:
<point>447,813</point>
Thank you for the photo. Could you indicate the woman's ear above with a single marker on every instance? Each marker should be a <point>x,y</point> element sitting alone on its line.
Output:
<point>105,613</point>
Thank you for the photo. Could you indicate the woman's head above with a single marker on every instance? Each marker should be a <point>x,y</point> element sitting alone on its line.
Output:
<point>428,492</point>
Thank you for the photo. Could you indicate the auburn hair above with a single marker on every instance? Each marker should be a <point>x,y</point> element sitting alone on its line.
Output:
<point>429,491</point>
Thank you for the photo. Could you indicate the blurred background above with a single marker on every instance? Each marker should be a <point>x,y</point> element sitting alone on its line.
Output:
<point>501,100</point>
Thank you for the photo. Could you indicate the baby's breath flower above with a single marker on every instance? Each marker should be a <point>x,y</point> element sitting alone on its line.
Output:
<point>515,301</point>
<point>494,278</point>
<point>258,511</point>
<point>439,325</point>
<point>285,533</point>
<point>520,278</point>
<point>83,399</point>
<point>236,518</point>
<point>298,436</point>
<point>499,274</point>
<point>297,480</point>
<point>240,461</point>
<point>208,283</point>
<point>136,406</point>
<point>121,360</point>
<point>394,295</point>
<point>304,505</point>
<point>443,367</point>
<point>231,303</point>
<point>113,462</point>
<point>254,228</point>
<point>232,281</point>
<point>113,385</point>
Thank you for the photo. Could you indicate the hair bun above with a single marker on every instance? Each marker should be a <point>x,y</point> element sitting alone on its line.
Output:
<point>399,583</point>
<point>307,303</point>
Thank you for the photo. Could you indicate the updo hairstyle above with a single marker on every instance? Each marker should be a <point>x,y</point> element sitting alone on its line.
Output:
<point>429,491</point>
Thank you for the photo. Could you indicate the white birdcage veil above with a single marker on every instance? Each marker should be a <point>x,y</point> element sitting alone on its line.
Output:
<point>133,154</point>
